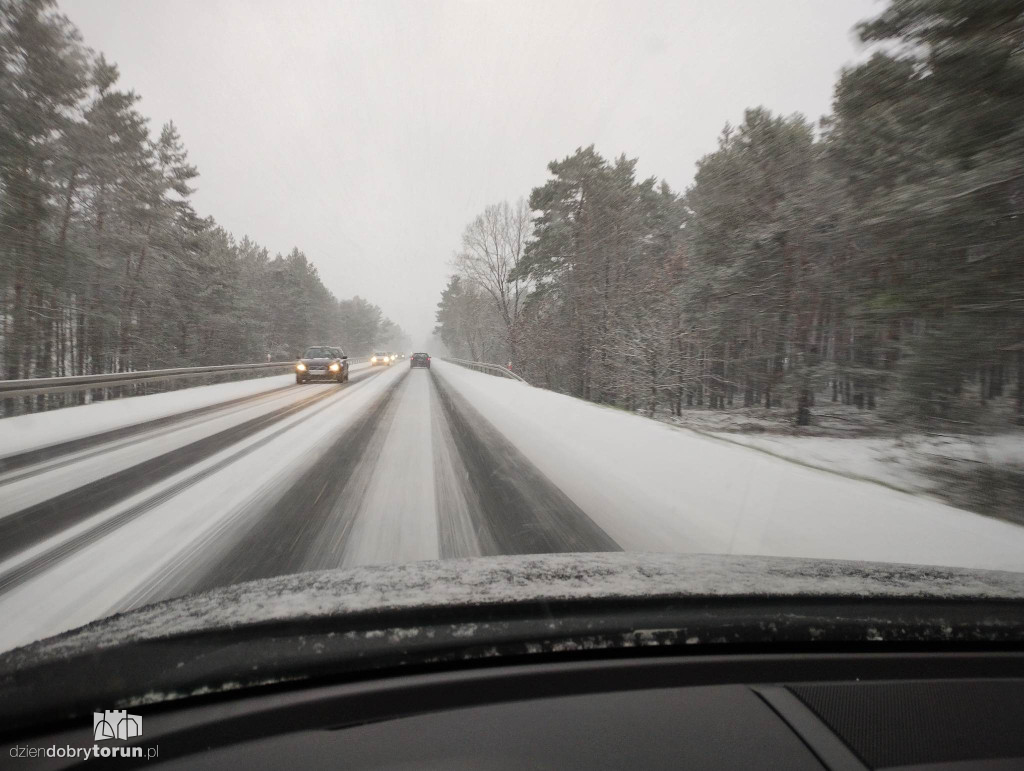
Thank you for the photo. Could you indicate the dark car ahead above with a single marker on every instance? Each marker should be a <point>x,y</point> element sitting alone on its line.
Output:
<point>322,362</point>
<point>420,360</point>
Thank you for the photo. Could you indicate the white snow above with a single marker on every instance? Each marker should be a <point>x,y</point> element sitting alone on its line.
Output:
<point>100,578</point>
<point>654,487</point>
<point>899,462</point>
<point>510,579</point>
<point>69,472</point>
<point>28,432</point>
<point>396,520</point>
<point>650,486</point>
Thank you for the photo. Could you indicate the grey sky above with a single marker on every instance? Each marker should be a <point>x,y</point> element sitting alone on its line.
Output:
<point>369,133</point>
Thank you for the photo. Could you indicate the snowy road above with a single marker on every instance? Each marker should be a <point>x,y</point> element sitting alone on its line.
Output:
<point>391,467</point>
<point>111,506</point>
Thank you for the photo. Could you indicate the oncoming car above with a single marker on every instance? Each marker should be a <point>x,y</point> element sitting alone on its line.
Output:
<point>322,362</point>
<point>380,359</point>
<point>420,360</point>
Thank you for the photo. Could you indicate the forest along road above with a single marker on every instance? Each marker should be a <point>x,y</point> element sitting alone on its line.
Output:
<point>111,506</point>
<point>391,467</point>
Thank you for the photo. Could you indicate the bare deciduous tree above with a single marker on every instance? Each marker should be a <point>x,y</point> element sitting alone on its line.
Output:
<point>493,246</point>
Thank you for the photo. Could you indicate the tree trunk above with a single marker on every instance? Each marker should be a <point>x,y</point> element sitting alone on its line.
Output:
<point>1020,388</point>
<point>803,409</point>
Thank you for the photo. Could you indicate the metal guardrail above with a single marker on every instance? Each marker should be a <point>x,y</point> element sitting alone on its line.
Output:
<point>490,369</point>
<point>51,385</point>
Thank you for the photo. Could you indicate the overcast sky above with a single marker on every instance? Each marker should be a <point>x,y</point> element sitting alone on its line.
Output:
<point>369,133</point>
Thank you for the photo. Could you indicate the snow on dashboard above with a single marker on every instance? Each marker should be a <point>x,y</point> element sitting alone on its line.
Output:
<point>655,487</point>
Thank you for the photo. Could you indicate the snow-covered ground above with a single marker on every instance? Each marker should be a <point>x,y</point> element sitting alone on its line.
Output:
<point>27,432</point>
<point>102,577</point>
<point>403,465</point>
<point>982,472</point>
<point>654,487</point>
<point>396,519</point>
<point>901,462</point>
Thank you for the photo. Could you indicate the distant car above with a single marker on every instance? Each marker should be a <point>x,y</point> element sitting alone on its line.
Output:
<point>420,360</point>
<point>380,359</point>
<point>322,362</point>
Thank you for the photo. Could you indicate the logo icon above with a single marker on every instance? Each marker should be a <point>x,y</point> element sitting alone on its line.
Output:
<point>115,724</point>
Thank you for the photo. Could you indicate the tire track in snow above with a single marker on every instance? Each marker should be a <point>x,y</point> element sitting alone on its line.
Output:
<point>302,528</point>
<point>50,452</point>
<point>347,509</point>
<point>43,461</point>
<point>21,572</point>
<point>459,534</point>
<point>394,519</point>
<point>521,509</point>
<point>23,529</point>
<point>485,498</point>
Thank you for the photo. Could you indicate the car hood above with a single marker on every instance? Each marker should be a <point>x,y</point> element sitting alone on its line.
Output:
<point>316,361</point>
<point>324,623</point>
<point>490,581</point>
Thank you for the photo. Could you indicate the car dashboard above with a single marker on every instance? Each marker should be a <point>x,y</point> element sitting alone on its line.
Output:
<point>705,709</point>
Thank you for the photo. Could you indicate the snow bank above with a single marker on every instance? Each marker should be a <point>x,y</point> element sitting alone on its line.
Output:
<point>654,487</point>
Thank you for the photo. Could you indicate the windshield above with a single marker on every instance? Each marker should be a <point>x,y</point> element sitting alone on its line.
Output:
<point>736,279</point>
<point>319,353</point>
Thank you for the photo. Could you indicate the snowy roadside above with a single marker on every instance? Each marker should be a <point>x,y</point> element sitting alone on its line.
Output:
<point>977,472</point>
<point>653,487</point>
<point>898,462</point>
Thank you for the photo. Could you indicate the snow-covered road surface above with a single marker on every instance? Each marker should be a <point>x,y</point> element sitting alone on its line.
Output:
<point>104,509</point>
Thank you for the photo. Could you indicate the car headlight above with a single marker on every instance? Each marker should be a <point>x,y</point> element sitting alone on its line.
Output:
<point>334,368</point>
<point>300,367</point>
<point>373,360</point>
